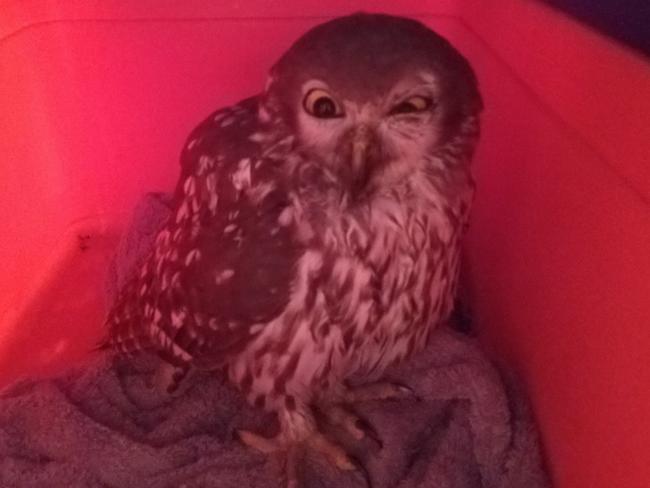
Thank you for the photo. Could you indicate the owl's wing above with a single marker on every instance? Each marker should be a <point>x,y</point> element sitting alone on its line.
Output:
<point>223,262</point>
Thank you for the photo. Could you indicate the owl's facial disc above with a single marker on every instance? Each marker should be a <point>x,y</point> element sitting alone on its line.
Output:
<point>369,142</point>
<point>370,101</point>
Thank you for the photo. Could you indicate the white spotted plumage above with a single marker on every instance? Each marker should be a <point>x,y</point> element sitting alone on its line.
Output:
<point>310,241</point>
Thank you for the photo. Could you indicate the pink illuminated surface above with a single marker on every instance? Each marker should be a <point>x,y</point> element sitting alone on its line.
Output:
<point>97,99</point>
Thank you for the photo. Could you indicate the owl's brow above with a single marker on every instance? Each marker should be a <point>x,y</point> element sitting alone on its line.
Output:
<point>422,81</point>
<point>315,83</point>
<point>413,89</point>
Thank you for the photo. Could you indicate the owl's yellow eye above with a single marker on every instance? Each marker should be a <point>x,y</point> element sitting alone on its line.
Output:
<point>412,104</point>
<point>320,104</point>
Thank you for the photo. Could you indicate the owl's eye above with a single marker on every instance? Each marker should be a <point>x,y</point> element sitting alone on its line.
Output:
<point>320,104</point>
<point>412,105</point>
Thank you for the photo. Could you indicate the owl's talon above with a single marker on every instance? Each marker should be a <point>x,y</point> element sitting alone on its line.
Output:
<point>382,390</point>
<point>406,392</point>
<point>291,468</point>
<point>338,457</point>
<point>350,422</point>
<point>361,470</point>
<point>257,442</point>
<point>369,432</point>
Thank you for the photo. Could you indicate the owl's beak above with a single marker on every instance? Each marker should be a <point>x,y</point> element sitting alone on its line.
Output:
<point>363,157</point>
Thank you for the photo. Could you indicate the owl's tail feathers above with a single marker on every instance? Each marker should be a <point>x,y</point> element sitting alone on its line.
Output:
<point>122,344</point>
<point>129,339</point>
<point>125,335</point>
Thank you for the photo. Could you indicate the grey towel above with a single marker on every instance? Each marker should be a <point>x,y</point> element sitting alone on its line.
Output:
<point>105,427</point>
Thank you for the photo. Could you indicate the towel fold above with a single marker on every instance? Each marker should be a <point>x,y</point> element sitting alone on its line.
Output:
<point>104,426</point>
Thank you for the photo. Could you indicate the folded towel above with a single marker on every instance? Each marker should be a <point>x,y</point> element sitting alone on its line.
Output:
<point>104,426</point>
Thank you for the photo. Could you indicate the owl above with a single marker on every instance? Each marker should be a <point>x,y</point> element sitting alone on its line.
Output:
<point>316,228</point>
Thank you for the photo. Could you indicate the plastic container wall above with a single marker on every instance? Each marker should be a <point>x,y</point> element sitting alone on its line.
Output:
<point>98,97</point>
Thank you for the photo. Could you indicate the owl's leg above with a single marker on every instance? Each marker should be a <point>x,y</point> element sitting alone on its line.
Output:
<point>299,432</point>
<point>337,410</point>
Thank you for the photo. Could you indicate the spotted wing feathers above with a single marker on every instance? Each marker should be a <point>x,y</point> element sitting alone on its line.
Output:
<point>223,263</point>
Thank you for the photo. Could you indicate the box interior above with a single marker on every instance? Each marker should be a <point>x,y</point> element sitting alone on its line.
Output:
<point>98,100</point>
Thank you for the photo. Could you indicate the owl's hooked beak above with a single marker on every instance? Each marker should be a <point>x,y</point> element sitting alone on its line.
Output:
<point>363,158</point>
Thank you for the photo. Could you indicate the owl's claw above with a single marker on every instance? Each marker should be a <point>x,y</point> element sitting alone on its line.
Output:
<point>260,443</point>
<point>285,454</point>
<point>381,390</point>
<point>354,425</point>
<point>405,392</point>
<point>338,457</point>
<point>361,470</point>
<point>370,432</point>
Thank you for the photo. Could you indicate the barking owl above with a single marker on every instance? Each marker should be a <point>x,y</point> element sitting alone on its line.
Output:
<point>316,228</point>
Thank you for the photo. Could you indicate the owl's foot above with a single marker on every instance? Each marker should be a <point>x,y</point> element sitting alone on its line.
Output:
<point>290,454</point>
<point>339,413</point>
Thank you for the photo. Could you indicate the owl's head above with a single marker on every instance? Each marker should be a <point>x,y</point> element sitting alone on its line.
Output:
<point>373,99</point>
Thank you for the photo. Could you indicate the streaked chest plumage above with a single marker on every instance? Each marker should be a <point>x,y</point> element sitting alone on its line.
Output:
<point>368,289</point>
<point>290,296</point>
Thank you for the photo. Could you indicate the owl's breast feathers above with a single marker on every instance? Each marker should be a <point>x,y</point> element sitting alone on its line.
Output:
<point>240,270</point>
